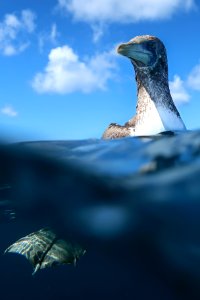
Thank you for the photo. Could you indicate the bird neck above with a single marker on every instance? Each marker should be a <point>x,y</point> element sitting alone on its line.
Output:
<point>155,111</point>
<point>148,120</point>
<point>154,90</point>
<point>153,85</point>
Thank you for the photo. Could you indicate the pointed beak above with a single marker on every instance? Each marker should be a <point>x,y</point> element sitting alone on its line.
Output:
<point>124,48</point>
<point>135,51</point>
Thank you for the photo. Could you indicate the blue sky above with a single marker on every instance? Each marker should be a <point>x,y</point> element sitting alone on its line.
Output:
<point>61,77</point>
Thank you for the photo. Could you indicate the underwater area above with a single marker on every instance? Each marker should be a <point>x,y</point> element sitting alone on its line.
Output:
<point>132,205</point>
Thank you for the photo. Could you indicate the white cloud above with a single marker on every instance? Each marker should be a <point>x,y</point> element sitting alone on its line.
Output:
<point>178,90</point>
<point>194,78</point>
<point>53,33</point>
<point>9,111</point>
<point>14,30</point>
<point>66,72</point>
<point>125,11</point>
<point>9,50</point>
<point>50,36</point>
<point>98,31</point>
<point>11,21</point>
<point>28,20</point>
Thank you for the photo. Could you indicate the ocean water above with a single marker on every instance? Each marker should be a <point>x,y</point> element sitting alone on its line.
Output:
<point>132,203</point>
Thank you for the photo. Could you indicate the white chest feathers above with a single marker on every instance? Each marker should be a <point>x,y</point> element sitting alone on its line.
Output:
<point>155,119</point>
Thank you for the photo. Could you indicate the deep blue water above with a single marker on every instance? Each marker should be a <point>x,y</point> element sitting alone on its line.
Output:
<point>133,203</point>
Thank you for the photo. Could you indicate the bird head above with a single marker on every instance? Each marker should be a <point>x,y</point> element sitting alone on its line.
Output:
<point>144,51</point>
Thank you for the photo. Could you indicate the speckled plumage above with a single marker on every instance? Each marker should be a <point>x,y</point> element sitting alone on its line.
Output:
<point>155,110</point>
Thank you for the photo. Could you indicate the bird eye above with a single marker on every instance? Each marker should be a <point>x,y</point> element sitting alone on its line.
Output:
<point>151,46</point>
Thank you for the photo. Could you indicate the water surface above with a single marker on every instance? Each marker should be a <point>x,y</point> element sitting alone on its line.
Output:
<point>132,203</point>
